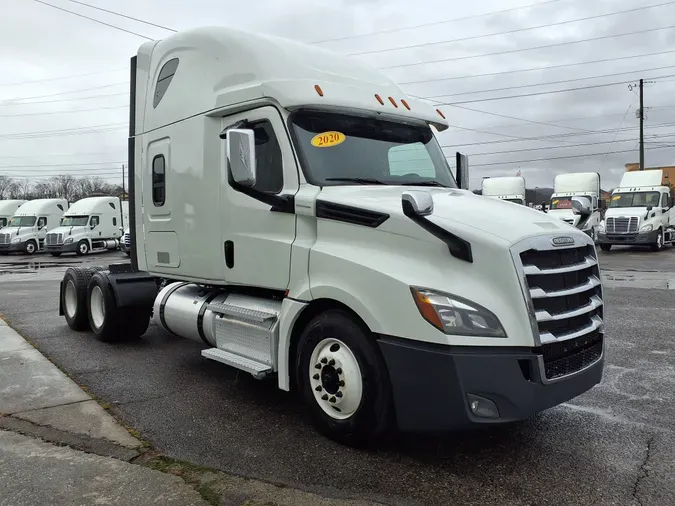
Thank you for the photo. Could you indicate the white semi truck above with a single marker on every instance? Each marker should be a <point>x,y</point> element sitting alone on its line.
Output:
<point>27,229</point>
<point>92,224</point>
<point>640,212</point>
<point>269,225</point>
<point>579,184</point>
<point>7,210</point>
<point>509,188</point>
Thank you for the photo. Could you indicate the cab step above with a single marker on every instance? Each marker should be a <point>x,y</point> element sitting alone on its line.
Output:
<point>256,369</point>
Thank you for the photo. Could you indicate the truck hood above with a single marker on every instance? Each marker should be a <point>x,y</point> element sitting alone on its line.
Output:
<point>626,212</point>
<point>66,231</point>
<point>497,218</point>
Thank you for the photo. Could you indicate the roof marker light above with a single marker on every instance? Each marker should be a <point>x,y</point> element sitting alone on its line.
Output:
<point>379,99</point>
<point>318,90</point>
<point>440,113</point>
<point>405,104</point>
<point>393,102</point>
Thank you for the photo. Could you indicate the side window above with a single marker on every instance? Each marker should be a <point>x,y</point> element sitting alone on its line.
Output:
<point>269,163</point>
<point>664,200</point>
<point>163,80</point>
<point>114,222</point>
<point>93,221</point>
<point>411,159</point>
<point>42,222</point>
<point>158,181</point>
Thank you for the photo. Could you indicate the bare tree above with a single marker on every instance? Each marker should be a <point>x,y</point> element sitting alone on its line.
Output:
<point>64,185</point>
<point>7,186</point>
<point>21,189</point>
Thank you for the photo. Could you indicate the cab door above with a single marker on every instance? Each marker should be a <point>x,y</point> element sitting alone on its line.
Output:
<point>256,241</point>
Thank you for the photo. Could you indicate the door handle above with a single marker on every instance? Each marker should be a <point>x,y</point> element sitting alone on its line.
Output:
<point>228,248</point>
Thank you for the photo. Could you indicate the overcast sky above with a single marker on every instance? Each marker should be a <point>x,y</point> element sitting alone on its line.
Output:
<point>58,59</point>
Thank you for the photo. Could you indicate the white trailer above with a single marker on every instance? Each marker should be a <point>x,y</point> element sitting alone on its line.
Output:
<point>91,225</point>
<point>270,223</point>
<point>27,229</point>
<point>509,188</point>
<point>640,212</point>
<point>7,210</point>
<point>579,184</point>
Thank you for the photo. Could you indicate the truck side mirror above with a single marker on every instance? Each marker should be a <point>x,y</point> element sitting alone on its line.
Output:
<point>417,202</point>
<point>241,156</point>
<point>602,204</point>
<point>582,206</point>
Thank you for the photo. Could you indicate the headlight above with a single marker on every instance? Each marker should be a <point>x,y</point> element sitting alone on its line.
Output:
<point>647,228</point>
<point>601,226</point>
<point>454,315</point>
<point>68,240</point>
<point>16,240</point>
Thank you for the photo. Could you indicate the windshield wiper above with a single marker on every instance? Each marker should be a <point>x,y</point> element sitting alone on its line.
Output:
<point>359,180</point>
<point>424,183</point>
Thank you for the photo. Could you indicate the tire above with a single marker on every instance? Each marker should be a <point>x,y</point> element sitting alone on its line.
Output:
<point>136,322</point>
<point>605,247</point>
<point>82,248</point>
<point>104,318</point>
<point>55,253</point>
<point>30,247</point>
<point>74,297</point>
<point>128,253</point>
<point>658,244</point>
<point>359,412</point>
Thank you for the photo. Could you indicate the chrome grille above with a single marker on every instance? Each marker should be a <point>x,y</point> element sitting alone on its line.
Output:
<point>4,238</point>
<point>566,302</point>
<point>54,239</point>
<point>622,225</point>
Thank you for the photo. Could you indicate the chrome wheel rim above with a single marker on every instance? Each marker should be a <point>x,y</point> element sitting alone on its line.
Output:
<point>97,307</point>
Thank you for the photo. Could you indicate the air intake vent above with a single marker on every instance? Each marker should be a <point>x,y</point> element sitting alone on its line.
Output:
<point>349,214</point>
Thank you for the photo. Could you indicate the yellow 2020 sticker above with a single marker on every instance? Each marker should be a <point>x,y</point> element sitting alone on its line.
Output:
<point>328,139</point>
<point>616,197</point>
<point>555,202</point>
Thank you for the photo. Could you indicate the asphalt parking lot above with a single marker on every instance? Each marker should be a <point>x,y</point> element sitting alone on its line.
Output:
<point>612,445</point>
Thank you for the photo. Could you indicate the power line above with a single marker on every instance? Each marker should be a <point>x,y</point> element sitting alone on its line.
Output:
<point>76,130</point>
<point>93,19</point>
<point>21,115</point>
<point>435,23</point>
<point>568,157</point>
<point>61,78</point>
<point>508,32</point>
<point>91,88</point>
<point>67,99</point>
<point>551,82</point>
<point>590,87</point>
<point>123,15</point>
<point>3,167</point>
<point>511,51</point>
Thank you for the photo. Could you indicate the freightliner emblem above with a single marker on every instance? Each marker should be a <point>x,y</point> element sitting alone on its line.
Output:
<point>563,240</point>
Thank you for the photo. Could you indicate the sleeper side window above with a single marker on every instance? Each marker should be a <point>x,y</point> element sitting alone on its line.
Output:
<point>163,80</point>
<point>158,180</point>
<point>269,163</point>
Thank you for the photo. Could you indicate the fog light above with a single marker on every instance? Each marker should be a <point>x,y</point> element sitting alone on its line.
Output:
<point>480,406</point>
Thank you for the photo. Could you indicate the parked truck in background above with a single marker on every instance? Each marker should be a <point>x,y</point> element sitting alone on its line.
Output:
<point>509,188</point>
<point>578,184</point>
<point>270,224</point>
<point>7,210</point>
<point>640,212</point>
<point>91,225</point>
<point>28,227</point>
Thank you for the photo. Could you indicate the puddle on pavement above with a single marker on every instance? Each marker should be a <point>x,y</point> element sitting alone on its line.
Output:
<point>32,267</point>
<point>637,279</point>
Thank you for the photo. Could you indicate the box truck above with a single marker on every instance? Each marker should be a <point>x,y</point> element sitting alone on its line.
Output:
<point>509,188</point>
<point>28,227</point>
<point>269,224</point>
<point>7,210</point>
<point>585,185</point>
<point>91,225</point>
<point>640,212</point>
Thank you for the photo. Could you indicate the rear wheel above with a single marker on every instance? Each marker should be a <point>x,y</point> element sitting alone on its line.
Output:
<point>74,297</point>
<point>103,315</point>
<point>343,379</point>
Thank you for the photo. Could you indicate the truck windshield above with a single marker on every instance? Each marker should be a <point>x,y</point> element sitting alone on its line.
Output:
<point>635,199</point>
<point>339,149</point>
<point>74,221</point>
<point>515,201</point>
<point>22,221</point>
<point>566,202</point>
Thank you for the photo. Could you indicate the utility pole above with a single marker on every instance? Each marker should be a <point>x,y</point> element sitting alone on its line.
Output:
<point>642,130</point>
<point>124,185</point>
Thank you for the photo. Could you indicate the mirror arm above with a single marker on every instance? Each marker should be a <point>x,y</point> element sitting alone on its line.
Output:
<point>239,124</point>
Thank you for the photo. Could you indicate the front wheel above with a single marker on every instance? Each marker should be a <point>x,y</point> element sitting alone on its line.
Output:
<point>343,379</point>
<point>658,243</point>
<point>82,248</point>
<point>30,247</point>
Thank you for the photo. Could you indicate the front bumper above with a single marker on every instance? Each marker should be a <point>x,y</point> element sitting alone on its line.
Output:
<point>62,248</point>
<point>634,238</point>
<point>431,383</point>
<point>11,248</point>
